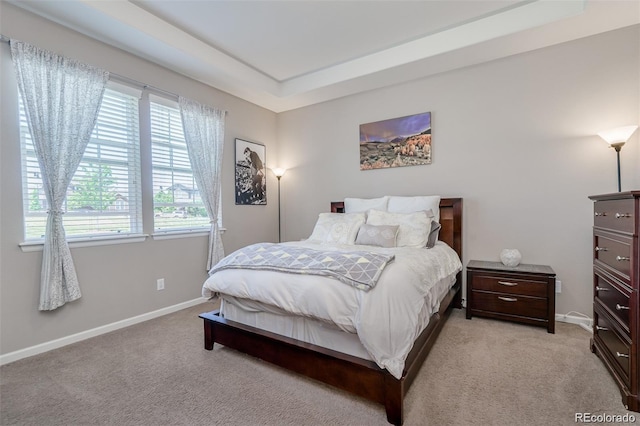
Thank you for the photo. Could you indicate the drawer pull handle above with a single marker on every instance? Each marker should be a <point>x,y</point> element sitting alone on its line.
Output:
<point>601,249</point>
<point>619,307</point>
<point>621,258</point>
<point>602,288</point>
<point>600,214</point>
<point>619,355</point>
<point>508,299</point>
<point>622,215</point>
<point>507,283</point>
<point>601,328</point>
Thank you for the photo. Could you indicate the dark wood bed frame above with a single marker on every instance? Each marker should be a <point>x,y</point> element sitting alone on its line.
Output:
<point>355,375</point>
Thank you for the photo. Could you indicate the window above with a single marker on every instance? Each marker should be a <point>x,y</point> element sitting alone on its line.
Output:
<point>176,201</point>
<point>104,197</point>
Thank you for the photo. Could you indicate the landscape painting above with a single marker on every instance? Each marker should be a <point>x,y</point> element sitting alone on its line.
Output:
<point>397,142</point>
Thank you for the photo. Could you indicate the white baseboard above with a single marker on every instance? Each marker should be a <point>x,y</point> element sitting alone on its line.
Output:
<point>584,322</point>
<point>63,341</point>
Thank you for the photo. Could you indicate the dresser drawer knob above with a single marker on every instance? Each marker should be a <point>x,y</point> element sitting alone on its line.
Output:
<point>621,258</point>
<point>598,328</point>
<point>598,288</point>
<point>622,215</point>
<point>601,249</point>
<point>508,299</point>
<point>600,214</point>
<point>619,307</point>
<point>507,283</point>
<point>619,355</point>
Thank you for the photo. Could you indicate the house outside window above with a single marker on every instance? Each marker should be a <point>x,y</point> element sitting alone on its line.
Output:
<point>177,205</point>
<point>104,197</point>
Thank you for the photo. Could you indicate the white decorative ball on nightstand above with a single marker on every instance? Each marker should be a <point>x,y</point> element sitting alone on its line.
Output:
<point>510,257</point>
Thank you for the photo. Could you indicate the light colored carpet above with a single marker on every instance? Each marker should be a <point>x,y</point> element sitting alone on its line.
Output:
<point>480,372</point>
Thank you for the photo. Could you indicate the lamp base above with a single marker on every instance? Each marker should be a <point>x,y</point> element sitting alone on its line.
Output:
<point>618,147</point>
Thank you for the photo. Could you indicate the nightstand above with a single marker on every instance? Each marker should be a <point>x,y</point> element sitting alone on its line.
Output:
<point>524,293</point>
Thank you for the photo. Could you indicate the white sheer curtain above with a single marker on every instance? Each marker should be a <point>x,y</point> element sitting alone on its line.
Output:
<point>62,98</point>
<point>204,133</point>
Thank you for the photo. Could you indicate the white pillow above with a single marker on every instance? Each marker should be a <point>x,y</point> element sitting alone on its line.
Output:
<point>415,204</point>
<point>337,228</point>
<point>356,205</point>
<point>414,227</point>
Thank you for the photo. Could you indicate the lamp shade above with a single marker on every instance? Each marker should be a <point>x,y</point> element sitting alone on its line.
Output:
<point>279,172</point>
<point>617,135</point>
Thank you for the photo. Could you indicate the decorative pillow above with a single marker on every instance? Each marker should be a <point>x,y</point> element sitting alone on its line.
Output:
<point>337,228</point>
<point>433,234</point>
<point>377,235</point>
<point>356,205</point>
<point>413,229</point>
<point>415,204</point>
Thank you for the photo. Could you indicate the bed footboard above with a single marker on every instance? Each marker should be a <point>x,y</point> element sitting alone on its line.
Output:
<point>347,372</point>
<point>354,375</point>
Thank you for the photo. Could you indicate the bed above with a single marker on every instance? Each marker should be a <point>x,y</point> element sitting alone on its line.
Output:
<point>339,366</point>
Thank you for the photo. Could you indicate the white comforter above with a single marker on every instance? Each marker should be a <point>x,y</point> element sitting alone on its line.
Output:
<point>387,318</point>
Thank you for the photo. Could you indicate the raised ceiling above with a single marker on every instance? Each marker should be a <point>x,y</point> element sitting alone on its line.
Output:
<point>283,55</point>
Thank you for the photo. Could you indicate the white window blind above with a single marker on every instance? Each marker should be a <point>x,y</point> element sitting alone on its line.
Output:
<point>104,197</point>
<point>177,205</point>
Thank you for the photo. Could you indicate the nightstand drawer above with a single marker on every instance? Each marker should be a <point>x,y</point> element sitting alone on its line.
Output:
<point>617,215</point>
<point>613,252</point>
<point>510,284</point>
<point>524,306</point>
<point>615,300</point>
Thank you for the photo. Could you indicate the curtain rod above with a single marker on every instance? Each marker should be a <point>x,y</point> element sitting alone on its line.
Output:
<point>143,86</point>
<point>126,80</point>
<point>121,78</point>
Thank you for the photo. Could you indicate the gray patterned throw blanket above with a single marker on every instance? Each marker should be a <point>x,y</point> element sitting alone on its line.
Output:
<point>360,269</point>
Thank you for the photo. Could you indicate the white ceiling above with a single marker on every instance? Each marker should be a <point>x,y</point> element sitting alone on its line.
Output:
<point>287,54</point>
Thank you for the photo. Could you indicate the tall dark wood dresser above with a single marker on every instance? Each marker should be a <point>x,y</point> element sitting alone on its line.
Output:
<point>616,272</point>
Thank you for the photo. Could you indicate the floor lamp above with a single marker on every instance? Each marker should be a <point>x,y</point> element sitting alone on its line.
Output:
<point>616,138</point>
<point>279,172</point>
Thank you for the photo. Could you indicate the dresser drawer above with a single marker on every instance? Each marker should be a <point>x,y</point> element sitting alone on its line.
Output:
<point>616,215</point>
<point>503,303</point>
<point>525,286</point>
<point>613,252</point>
<point>616,346</point>
<point>615,300</point>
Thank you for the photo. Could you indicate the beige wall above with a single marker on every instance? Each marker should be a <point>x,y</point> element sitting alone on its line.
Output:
<point>515,137</point>
<point>117,281</point>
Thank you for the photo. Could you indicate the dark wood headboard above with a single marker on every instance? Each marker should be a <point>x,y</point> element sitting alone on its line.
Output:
<point>450,219</point>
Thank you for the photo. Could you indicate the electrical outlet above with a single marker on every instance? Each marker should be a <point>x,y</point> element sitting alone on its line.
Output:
<point>558,286</point>
<point>160,284</point>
